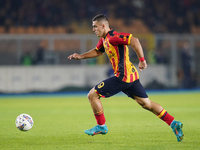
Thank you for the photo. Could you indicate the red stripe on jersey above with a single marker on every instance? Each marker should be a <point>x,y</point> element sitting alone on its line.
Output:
<point>113,63</point>
<point>125,69</point>
<point>136,77</point>
<point>131,78</point>
<point>117,69</point>
<point>117,52</point>
<point>117,75</point>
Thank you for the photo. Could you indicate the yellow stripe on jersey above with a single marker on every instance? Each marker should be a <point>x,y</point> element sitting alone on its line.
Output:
<point>129,39</point>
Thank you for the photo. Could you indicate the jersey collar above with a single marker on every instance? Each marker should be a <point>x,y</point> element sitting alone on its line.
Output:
<point>111,30</point>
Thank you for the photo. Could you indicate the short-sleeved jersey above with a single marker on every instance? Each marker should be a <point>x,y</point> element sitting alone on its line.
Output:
<point>115,46</point>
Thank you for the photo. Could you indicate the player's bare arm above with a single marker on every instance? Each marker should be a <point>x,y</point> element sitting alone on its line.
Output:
<point>135,44</point>
<point>90,54</point>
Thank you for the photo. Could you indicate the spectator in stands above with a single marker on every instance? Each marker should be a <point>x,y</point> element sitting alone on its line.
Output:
<point>186,65</point>
<point>27,59</point>
<point>39,60</point>
<point>169,16</point>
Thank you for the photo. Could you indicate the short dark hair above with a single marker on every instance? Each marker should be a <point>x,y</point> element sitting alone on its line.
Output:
<point>100,17</point>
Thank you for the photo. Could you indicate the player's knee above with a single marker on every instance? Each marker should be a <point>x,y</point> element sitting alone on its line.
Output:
<point>146,106</point>
<point>91,95</point>
<point>145,103</point>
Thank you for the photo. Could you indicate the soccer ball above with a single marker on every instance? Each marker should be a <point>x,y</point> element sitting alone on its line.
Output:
<point>24,122</point>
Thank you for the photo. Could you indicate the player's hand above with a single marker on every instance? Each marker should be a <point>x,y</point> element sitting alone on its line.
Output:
<point>142,65</point>
<point>75,56</point>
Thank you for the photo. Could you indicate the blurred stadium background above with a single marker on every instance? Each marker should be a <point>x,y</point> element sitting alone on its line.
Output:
<point>37,36</point>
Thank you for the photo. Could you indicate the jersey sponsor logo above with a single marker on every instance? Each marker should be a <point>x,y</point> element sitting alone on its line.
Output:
<point>100,85</point>
<point>110,55</point>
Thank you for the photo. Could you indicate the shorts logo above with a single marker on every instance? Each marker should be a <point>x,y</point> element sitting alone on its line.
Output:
<point>100,85</point>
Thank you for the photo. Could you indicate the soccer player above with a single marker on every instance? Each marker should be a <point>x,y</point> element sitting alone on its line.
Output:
<point>125,79</point>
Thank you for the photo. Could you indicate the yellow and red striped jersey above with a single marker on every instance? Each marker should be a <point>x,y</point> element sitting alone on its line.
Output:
<point>115,46</point>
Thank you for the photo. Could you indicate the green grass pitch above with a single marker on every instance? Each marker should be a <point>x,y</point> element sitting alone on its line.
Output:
<point>60,121</point>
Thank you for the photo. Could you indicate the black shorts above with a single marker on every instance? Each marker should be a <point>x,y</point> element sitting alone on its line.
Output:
<point>114,85</point>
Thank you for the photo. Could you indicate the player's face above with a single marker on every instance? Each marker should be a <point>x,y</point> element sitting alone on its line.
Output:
<point>98,28</point>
